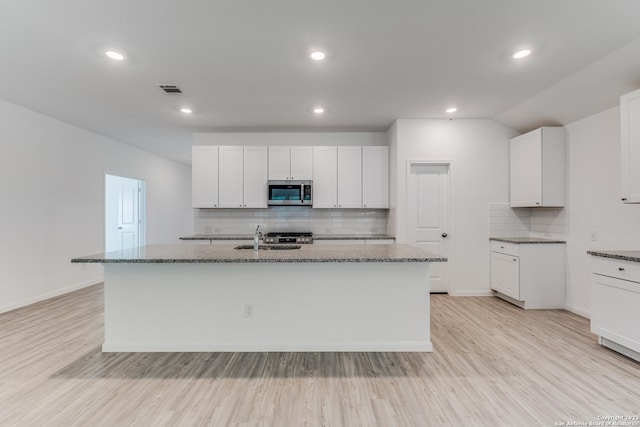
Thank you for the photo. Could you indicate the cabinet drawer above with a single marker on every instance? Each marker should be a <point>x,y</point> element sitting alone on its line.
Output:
<point>626,270</point>
<point>505,274</point>
<point>505,248</point>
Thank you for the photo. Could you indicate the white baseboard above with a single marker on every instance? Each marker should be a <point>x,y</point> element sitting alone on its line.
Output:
<point>51,294</point>
<point>578,311</point>
<point>243,346</point>
<point>472,293</point>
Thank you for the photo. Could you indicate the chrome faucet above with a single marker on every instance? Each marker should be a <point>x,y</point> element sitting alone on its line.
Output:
<point>256,239</point>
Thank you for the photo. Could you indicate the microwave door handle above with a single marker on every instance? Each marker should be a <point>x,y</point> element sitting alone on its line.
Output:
<point>301,193</point>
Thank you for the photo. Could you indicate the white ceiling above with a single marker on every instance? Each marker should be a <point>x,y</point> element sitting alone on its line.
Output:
<point>243,66</point>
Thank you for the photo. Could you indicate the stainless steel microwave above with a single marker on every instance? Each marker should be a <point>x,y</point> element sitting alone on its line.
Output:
<point>290,193</point>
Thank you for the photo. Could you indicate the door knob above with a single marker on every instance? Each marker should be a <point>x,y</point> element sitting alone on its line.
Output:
<point>444,234</point>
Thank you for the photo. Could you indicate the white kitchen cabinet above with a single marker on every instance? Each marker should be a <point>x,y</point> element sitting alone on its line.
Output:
<point>288,163</point>
<point>375,177</point>
<point>630,146</point>
<point>302,163</point>
<point>204,176</point>
<point>255,177</point>
<point>531,276</point>
<point>349,177</point>
<point>325,177</point>
<point>279,162</point>
<point>505,274</point>
<point>615,298</point>
<point>243,177</point>
<point>537,168</point>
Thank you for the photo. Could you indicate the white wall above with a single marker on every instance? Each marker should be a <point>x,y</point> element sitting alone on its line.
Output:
<point>52,188</point>
<point>594,201</point>
<point>290,138</point>
<point>478,150</point>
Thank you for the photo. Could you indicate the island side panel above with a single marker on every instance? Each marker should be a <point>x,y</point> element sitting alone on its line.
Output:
<point>295,307</point>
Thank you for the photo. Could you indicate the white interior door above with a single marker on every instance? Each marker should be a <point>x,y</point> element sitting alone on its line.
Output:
<point>428,217</point>
<point>123,210</point>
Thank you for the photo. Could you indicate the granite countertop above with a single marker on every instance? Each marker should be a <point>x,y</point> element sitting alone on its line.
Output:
<point>227,254</point>
<point>633,256</point>
<point>315,237</point>
<point>525,240</point>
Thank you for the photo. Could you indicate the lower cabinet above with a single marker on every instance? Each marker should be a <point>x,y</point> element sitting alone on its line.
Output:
<point>505,274</point>
<point>615,298</point>
<point>529,275</point>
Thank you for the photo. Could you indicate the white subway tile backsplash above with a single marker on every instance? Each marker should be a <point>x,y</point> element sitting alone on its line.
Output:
<point>520,222</point>
<point>319,221</point>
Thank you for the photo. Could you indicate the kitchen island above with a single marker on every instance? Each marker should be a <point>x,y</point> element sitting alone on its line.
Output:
<point>217,298</point>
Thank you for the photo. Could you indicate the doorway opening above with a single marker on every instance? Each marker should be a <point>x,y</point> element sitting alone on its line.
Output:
<point>125,213</point>
<point>429,224</point>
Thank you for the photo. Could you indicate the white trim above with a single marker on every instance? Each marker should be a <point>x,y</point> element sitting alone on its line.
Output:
<point>450,210</point>
<point>471,293</point>
<point>577,310</point>
<point>51,294</point>
<point>284,346</point>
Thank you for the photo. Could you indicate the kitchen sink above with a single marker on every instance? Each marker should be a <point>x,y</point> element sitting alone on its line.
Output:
<point>270,247</point>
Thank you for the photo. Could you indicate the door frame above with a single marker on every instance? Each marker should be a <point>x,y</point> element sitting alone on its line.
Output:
<point>142,207</point>
<point>450,218</point>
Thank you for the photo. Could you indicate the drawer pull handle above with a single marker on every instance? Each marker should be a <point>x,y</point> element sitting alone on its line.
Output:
<point>501,247</point>
<point>620,268</point>
<point>515,259</point>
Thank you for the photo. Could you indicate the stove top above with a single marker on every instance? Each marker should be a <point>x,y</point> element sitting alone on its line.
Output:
<point>288,237</point>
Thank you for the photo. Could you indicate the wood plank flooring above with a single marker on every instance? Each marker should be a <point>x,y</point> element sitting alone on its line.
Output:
<point>493,365</point>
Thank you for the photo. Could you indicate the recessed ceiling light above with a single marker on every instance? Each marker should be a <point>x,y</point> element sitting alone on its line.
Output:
<point>114,55</point>
<point>318,55</point>
<point>186,110</point>
<point>318,110</point>
<point>521,54</point>
<point>451,110</point>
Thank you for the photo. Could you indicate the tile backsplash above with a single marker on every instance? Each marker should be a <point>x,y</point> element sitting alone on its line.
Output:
<point>319,221</point>
<point>505,221</point>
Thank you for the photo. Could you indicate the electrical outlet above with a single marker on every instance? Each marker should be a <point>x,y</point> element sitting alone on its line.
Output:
<point>594,236</point>
<point>248,310</point>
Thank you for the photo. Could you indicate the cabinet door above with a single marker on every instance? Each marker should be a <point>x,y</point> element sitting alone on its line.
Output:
<point>630,145</point>
<point>525,169</point>
<point>279,162</point>
<point>204,177</point>
<point>301,162</point>
<point>255,177</point>
<point>325,177</point>
<point>614,310</point>
<point>505,274</point>
<point>231,177</point>
<point>349,177</point>
<point>375,177</point>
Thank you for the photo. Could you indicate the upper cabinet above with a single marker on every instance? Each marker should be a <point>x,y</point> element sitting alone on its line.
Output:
<point>349,177</point>
<point>325,177</point>
<point>243,177</point>
<point>537,168</point>
<point>343,177</point>
<point>204,177</point>
<point>375,177</point>
<point>630,145</point>
<point>286,163</point>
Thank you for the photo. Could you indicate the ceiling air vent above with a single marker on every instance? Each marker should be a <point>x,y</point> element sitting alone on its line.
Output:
<point>169,88</point>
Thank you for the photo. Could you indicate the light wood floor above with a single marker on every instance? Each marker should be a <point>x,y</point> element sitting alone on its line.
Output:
<point>493,365</point>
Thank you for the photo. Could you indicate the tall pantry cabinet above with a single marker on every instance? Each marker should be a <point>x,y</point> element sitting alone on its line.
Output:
<point>630,146</point>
